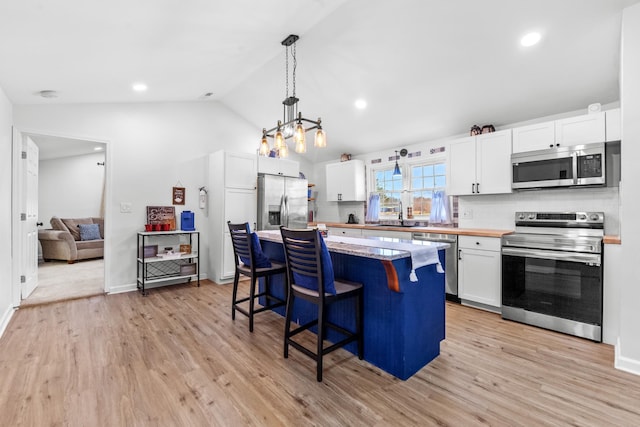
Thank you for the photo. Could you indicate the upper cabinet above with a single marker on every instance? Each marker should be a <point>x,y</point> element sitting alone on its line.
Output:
<point>583,129</point>
<point>613,124</point>
<point>534,137</point>
<point>239,170</point>
<point>345,181</point>
<point>480,164</point>
<point>580,130</point>
<point>277,166</point>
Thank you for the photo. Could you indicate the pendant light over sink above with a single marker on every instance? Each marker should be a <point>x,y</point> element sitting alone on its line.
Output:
<point>292,124</point>
<point>396,169</point>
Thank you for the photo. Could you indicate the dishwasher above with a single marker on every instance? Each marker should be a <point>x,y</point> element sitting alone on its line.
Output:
<point>451,260</point>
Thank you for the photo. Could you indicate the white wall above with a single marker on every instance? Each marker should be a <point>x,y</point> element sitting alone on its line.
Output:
<point>150,148</point>
<point>5,210</point>
<point>628,348</point>
<point>70,187</point>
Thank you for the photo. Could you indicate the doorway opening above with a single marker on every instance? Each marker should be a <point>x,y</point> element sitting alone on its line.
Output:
<point>71,190</point>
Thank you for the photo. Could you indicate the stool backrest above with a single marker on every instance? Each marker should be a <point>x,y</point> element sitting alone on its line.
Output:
<point>241,241</point>
<point>302,252</point>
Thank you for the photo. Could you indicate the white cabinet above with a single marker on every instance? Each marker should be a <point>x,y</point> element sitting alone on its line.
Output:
<point>340,231</point>
<point>387,233</point>
<point>232,197</point>
<point>480,164</point>
<point>613,125</point>
<point>540,136</point>
<point>479,271</point>
<point>345,181</point>
<point>581,129</point>
<point>277,166</point>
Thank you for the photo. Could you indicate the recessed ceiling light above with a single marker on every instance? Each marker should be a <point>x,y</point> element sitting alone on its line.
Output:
<point>139,87</point>
<point>361,104</point>
<point>530,39</point>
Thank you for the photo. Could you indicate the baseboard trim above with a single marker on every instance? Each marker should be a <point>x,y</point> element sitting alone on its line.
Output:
<point>624,363</point>
<point>134,287</point>
<point>6,317</point>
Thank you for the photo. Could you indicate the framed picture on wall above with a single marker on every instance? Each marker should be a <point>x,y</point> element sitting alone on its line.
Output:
<point>162,215</point>
<point>177,195</point>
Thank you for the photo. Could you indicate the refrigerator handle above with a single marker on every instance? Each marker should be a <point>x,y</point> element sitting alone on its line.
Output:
<point>282,211</point>
<point>286,209</point>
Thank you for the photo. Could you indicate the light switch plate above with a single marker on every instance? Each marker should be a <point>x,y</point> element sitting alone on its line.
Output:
<point>125,207</point>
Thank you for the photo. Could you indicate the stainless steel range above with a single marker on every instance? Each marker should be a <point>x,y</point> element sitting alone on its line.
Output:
<point>552,272</point>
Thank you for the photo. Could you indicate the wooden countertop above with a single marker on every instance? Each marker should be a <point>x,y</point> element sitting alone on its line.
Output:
<point>478,232</point>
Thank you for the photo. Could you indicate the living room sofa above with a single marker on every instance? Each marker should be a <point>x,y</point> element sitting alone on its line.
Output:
<point>64,241</point>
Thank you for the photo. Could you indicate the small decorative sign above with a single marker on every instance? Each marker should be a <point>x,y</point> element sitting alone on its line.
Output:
<point>159,215</point>
<point>177,195</point>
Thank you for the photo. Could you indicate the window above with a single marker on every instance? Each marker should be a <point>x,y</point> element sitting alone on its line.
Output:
<point>425,179</point>
<point>390,188</point>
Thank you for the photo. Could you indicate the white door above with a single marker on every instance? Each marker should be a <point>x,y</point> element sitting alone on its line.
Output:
<point>29,218</point>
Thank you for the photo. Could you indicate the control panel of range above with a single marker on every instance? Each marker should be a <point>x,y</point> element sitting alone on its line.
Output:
<point>561,219</point>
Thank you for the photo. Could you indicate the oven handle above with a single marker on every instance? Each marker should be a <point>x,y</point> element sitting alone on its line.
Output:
<point>589,259</point>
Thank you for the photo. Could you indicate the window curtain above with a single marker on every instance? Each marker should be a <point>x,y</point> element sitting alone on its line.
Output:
<point>440,211</point>
<point>373,208</point>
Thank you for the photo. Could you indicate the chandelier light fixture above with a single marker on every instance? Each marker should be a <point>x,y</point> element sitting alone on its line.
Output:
<point>292,124</point>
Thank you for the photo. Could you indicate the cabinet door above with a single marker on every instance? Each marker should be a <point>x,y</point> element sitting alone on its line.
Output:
<point>387,233</point>
<point>493,167</point>
<point>228,263</point>
<point>534,137</point>
<point>479,276</point>
<point>277,166</point>
<point>240,170</point>
<point>461,167</point>
<point>581,130</point>
<point>338,231</point>
<point>240,206</point>
<point>613,125</point>
<point>345,181</point>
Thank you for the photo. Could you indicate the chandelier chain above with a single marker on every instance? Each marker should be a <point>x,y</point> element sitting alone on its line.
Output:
<point>286,72</point>
<point>295,65</point>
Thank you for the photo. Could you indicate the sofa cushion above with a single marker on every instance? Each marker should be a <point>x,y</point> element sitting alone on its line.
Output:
<point>89,232</point>
<point>57,224</point>
<point>72,225</point>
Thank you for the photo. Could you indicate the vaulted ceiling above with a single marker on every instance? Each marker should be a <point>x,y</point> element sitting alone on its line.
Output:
<point>427,69</point>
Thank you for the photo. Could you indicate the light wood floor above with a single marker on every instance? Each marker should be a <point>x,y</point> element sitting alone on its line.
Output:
<point>175,358</point>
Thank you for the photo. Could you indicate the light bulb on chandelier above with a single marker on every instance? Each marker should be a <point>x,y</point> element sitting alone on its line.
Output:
<point>293,124</point>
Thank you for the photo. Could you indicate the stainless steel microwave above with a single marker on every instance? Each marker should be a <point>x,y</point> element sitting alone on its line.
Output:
<point>559,167</point>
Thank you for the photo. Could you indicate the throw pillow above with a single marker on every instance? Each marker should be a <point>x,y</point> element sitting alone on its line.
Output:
<point>262,261</point>
<point>72,225</point>
<point>327,272</point>
<point>89,232</point>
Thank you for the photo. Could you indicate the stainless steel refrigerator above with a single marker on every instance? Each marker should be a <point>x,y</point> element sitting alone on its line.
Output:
<point>281,201</point>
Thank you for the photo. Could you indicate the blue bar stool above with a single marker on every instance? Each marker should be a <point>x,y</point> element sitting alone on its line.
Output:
<point>310,277</point>
<point>251,262</point>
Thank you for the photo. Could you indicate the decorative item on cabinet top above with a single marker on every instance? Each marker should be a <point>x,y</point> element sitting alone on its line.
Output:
<point>476,130</point>
<point>345,157</point>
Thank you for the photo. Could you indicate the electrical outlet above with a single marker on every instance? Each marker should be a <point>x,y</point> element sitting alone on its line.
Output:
<point>467,214</point>
<point>125,207</point>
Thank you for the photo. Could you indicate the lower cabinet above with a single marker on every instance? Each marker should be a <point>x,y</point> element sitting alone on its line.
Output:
<point>339,231</point>
<point>479,271</point>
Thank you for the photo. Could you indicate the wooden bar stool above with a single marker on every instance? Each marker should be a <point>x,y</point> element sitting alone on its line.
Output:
<point>251,262</point>
<point>310,277</point>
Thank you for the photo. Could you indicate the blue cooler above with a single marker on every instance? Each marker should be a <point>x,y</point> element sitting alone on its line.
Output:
<point>187,222</point>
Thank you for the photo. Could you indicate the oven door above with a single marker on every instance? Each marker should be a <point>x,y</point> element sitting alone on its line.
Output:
<point>566,285</point>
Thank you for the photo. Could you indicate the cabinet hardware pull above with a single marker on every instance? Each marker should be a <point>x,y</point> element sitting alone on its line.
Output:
<point>459,254</point>
<point>478,187</point>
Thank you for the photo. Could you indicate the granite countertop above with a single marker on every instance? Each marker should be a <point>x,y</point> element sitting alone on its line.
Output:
<point>357,250</point>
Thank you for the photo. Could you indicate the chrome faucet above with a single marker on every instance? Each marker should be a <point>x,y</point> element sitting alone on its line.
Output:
<point>400,214</point>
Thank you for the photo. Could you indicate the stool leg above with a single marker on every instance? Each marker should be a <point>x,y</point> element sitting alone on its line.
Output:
<point>252,292</point>
<point>236,279</point>
<point>321,333</point>
<point>359,323</point>
<point>287,323</point>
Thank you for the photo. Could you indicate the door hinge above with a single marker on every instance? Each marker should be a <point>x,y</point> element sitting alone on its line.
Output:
<point>24,154</point>
<point>23,217</point>
<point>23,279</point>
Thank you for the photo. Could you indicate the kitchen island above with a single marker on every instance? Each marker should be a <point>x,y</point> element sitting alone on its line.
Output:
<point>404,320</point>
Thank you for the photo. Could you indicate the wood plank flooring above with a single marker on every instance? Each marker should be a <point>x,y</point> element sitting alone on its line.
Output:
<point>175,358</point>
